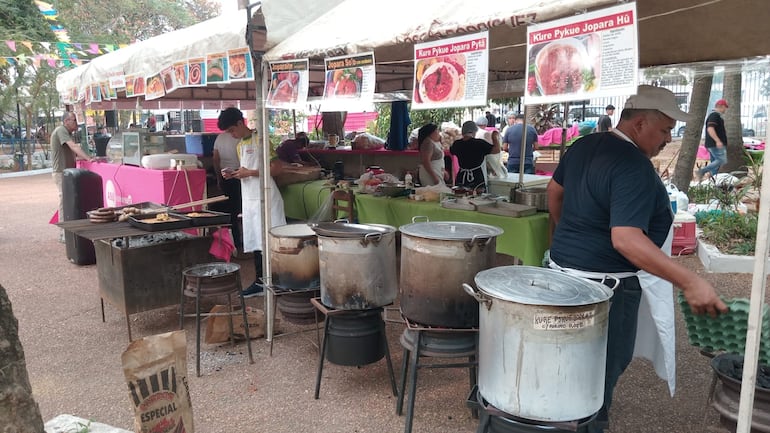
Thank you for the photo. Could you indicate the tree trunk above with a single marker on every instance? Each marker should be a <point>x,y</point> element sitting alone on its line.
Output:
<point>18,411</point>
<point>699,100</point>
<point>732,93</point>
<point>334,123</point>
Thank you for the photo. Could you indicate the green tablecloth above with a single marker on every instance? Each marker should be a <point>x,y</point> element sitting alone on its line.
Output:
<point>525,238</point>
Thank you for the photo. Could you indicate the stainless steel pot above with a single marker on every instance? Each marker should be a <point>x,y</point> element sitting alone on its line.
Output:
<point>542,342</point>
<point>294,252</point>
<point>436,259</point>
<point>358,265</point>
<point>533,196</point>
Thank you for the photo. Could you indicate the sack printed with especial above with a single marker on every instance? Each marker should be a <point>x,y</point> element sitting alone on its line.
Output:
<point>155,368</point>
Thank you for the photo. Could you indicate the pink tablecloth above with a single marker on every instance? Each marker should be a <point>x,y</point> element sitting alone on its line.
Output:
<point>553,135</point>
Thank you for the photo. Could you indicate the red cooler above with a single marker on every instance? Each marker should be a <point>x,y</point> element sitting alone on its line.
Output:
<point>684,234</point>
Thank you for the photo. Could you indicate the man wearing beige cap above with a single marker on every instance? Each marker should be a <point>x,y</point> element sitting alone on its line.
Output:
<point>610,215</point>
<point>716,140</point>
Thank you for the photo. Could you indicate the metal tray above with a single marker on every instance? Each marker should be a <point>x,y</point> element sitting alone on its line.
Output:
<point>140,222</point>
<point>206,217</point>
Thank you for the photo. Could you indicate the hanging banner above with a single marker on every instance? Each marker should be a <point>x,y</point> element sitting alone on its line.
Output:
<point>591,55</point>
<point>289,82</point>
<point>180,74</point>
<point>196,72</point>
<point>349,79</point>
<point>134,85</point>
<point>216,68</point>
<point>451,72</point>
<point>239,65</point>
<point>117,80</point>
<point>154,88</point>
<point>167,77</point>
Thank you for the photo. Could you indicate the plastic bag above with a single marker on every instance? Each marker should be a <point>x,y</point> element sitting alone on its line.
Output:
<point>495,169</point>
<point>367,141</point>
<point>325,213</point>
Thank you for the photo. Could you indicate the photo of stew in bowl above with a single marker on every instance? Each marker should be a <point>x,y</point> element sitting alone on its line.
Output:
<point>563,67</point>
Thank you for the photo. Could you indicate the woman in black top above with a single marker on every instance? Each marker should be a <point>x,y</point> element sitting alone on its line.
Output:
<point>470,154</point>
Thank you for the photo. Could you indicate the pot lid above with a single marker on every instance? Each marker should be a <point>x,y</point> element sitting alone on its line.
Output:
<point>540,286</point>
<point>347,230</point>
<point>292,231</point>
<point>450,230</point>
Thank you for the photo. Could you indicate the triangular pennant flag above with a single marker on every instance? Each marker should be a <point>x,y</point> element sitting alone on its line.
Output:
<point>94,49</point>
<point>78,46</point>
<point>46,45</point>
<point>52,62</point>
<point>3,61</point>
<point>36,62</point>
<point>11,45</point>
<point>27,44</point>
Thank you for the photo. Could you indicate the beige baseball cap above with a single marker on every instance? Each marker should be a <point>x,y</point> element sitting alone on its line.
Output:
<point>657,98</point>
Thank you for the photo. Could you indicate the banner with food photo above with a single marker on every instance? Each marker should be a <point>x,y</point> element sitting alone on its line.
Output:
<point>451,72</point>
<point>289,83</point>
<point>134,85</point>
<point>94,94</point>
<point>180,74</point>
<point>117,80</point>
<point>239,65</point>
<point>349,78</point>
<point>591,55</point>
<point>216,68</point>
<point>154,89</point>
<point>196,72</point>
<point>167,75</point>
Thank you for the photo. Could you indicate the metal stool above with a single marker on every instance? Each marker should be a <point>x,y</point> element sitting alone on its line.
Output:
<point>435,343</point>
<point>210,280</point>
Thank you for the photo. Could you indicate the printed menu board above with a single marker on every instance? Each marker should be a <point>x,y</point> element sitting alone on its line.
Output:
<point>289,82</point>
<point>349,79</point>
<point>586,56</point>
<point>451,72</point>
<point>239,65</point>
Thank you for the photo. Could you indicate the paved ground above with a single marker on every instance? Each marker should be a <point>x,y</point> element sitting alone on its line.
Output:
<point>74,359</point>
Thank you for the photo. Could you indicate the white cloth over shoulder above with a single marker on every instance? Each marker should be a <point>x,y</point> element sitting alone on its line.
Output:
<point>655,332</point>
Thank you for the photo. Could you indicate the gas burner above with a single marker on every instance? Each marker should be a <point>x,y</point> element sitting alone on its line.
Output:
<point>416,326</point>
<point>493,420</point>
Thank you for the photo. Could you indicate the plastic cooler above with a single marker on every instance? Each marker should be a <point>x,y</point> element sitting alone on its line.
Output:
<point>684,234</point>
<point>81,192</point>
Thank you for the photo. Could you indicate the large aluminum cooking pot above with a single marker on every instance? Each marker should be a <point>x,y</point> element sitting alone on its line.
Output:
<point>358,265</point>
<point>542,342</point>
<point>436,259</point>
<point>294,252</point>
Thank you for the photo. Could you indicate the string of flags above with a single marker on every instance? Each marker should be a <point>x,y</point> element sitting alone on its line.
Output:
<point>55,53</point>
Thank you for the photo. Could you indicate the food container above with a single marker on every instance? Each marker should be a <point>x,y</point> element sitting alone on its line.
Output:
<point>534,196</point>
<point>150,223</point>
<point>294,250</point>
<point>542,342</point>
<point>436,259</point>
<point>357,265</point>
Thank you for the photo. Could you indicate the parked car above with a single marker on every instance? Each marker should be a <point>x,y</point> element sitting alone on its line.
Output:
<point>591,113</point>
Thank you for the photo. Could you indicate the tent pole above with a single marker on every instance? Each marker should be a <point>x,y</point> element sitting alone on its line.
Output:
<point>758,288</point>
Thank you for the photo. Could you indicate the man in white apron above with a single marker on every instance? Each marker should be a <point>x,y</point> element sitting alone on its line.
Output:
<point>612,214</point>
<point>250,153</point>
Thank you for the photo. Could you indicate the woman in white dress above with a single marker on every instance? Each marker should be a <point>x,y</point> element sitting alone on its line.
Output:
<point>431,155</point>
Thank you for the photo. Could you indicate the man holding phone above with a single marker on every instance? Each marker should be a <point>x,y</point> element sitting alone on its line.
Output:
<point>225,162</point>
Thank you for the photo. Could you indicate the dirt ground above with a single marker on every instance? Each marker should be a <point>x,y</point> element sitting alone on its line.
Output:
<point>73,358</point>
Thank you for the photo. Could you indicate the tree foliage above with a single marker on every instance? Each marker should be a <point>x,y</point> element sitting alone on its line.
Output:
<point>127,21</point>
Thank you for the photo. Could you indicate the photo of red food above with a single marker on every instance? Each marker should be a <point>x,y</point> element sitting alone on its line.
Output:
<point>284,87</point>
<point>154,85</point>
<point>129,87</point>
<point>179,73</point>
<point>139,86</point>
<point>344,82</point>
<point>168,81</point>
<point>194,74</point>
<point>440,79</point>
<point>238,66</point>
<point>563,67</point>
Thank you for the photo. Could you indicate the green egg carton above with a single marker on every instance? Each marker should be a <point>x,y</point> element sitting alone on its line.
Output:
<point>726,332</point>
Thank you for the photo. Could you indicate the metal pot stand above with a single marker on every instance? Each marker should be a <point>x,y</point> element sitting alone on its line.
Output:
<point>337,355</point>
<point>435,342</point>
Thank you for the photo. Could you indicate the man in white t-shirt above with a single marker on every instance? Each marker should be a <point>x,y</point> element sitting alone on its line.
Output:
<point>226,159</point>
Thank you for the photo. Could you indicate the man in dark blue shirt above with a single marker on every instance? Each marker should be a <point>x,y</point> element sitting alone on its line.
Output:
<point>512,142</point>
<point>716,140</point>
<point>611,215</point>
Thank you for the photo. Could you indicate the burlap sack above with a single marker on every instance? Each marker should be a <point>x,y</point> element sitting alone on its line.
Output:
<point>218,325</point>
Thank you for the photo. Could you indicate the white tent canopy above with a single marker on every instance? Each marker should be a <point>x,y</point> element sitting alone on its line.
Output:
<point>670,32</point>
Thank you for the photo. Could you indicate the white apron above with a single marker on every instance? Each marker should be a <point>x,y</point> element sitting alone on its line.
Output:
<point>655,333</point>
<point>251,191</point>
<point>437,166</point>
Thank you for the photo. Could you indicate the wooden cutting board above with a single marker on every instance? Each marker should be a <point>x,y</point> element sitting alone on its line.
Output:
<point>508,209</point>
